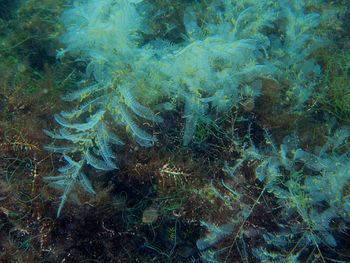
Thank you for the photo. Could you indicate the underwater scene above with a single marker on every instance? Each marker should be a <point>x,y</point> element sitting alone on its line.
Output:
<point>177,131</point>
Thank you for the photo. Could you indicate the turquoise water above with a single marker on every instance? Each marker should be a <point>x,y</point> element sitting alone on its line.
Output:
<point>174,131</point>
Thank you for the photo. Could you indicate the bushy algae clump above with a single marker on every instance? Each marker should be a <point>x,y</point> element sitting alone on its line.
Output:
<point>223,52</point>
<point>214,68</point>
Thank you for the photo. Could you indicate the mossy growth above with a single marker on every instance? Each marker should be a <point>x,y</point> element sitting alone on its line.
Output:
<point>170,11</point>
<point>31,80</point>
<point>336,97</point>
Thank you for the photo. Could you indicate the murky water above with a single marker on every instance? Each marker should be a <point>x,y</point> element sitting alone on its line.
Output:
<point>174,131</point>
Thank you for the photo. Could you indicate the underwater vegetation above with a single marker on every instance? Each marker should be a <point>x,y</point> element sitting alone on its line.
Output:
<point>337,93</point>
<point>218,66</point>
<point>174,131</point>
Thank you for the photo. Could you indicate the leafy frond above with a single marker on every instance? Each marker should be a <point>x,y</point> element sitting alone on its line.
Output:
<point>137,108</point>
<point>82,93</point>
<point>85,183</point>
<point>60,149</point>
<point>92,121</point>
<point>102,142</point>
<point>83,108</point>
<point>144,138</point>
<point>69,176</point>
<point>98,163</point>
